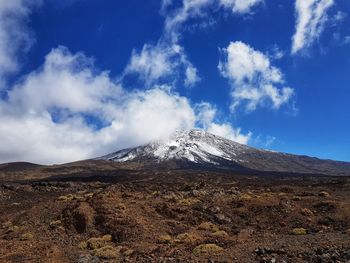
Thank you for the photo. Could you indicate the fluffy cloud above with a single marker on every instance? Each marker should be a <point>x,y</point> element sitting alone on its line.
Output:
<point>167,58</point>
<point>311,17</point>
<point>227,131</point>
<point>15,38</point>
<point>206,114</point>
<point>254,80</point>
<point>161,62</point>
<point>67,111</point>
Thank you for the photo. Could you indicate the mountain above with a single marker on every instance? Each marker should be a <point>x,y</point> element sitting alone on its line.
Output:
<point>197,148</point>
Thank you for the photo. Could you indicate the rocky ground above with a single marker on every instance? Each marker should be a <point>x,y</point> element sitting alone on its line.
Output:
<point>176,216</point>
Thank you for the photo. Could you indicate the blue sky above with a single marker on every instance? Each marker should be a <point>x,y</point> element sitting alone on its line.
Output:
<point>81,78</point>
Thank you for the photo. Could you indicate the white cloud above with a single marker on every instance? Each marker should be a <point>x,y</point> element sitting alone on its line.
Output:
<point>65,111</point>
<point>152,62</point>
<point>206,115</point>
<point>311,17</point>
<point>254,80</point>
<point>191,74</point>
<point>15,38</point>
<point>346,40</point>
<point>227,131</point>
<point>192,9</point>
<point>167,59</point>
<point>161,62</point>
<point>240,6</point>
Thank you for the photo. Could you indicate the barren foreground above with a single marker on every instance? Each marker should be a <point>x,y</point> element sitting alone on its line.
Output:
<point>177,216</point>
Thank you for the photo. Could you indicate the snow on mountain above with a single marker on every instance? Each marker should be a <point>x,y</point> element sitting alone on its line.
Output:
<point>195,146</point>
<point>198,147</point>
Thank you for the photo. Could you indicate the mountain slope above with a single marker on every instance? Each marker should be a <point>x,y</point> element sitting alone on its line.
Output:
<point>199,148</point>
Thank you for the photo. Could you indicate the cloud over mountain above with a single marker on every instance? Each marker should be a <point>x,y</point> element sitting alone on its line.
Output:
<point>68,110</point>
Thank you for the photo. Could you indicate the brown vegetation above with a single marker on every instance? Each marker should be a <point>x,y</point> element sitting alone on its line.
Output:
<point>184,216</point>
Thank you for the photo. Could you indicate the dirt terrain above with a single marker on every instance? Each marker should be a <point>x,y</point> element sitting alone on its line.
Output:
<point>109,215</point>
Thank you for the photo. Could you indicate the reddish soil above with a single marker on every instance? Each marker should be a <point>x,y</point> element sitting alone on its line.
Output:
<point>176,216</point>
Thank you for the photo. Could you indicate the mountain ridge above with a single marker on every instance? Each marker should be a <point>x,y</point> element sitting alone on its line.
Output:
<point>198,147</point>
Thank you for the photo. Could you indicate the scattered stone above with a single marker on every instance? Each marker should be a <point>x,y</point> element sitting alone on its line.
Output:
<point>222,219</point>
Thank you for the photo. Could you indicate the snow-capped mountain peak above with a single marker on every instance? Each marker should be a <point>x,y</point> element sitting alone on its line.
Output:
<point>195,146</point>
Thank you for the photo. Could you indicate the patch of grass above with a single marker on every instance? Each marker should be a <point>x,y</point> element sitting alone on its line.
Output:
<point>187,238</point>
<point>187,201</point>
<point>246,197</point>
<point>12,229</point>
<point>164,239</point>
<point>296,198</point>
<point>208,226</point>
<point>306,212</point>
<point>299,231</point>
<point>26,236</point>
<point>107,238</point>
<point>7,224</point>
<point>83,245</point>
<point>55,223</point>
<point>106,252</point>
<point>95,242</point>
<point>65,198</point>
<point>207,249</point>
<point>89,195</point>
<point>220,234</point>
<point>155,194</point>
